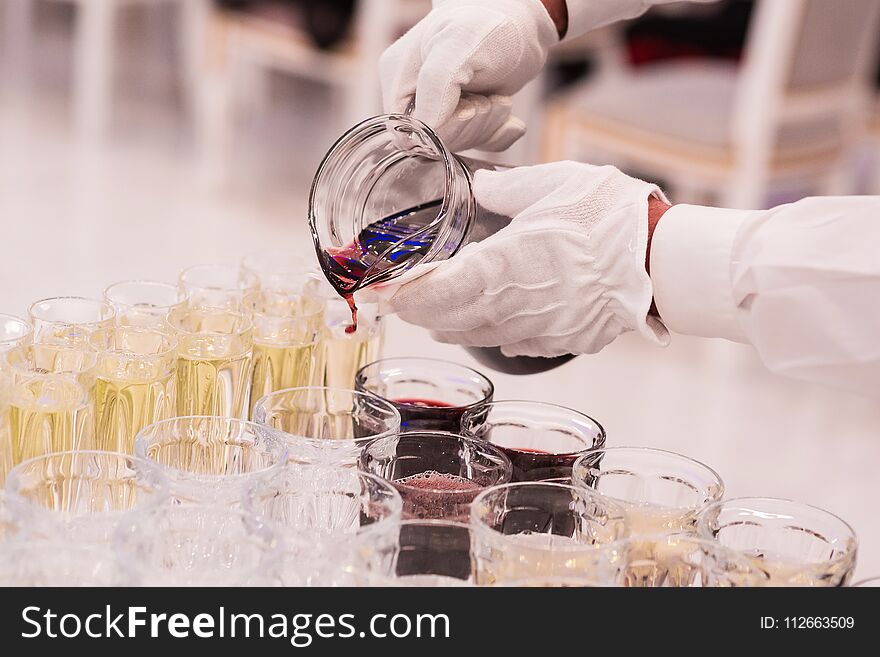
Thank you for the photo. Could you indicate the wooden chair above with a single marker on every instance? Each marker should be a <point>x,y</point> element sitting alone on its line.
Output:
<point>792,112</point>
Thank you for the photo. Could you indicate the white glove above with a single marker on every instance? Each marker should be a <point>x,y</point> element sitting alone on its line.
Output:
<point>488,49</point>
<point>566,276</point>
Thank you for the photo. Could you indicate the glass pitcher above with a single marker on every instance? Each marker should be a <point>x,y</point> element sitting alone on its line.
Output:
<point>388,196</point>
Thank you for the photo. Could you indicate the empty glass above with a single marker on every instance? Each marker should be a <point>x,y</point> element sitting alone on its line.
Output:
<point>287,341</point>
<point>345,353</point>
<point>135,384</point>
<point>50,399</point>
<point>146,304</point>
<point>24,563</point>
<point>430,394</point>
<point>211,459</point>
<point>337,524</point>
<point>214,348</point>
<point>81,496</point>
<point>540,529</point>
<point>217,286</point>
<point>661,492</point>
<point>541,440</point>
<point>14,332</point>
<point>327,426</point>
<point>792,544</point>
<point>437,474</point>
<point>69,319</point>
<point>279,270</point>
<point>199,545</point>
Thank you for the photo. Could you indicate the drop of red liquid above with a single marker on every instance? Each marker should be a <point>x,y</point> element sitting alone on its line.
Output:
<point>349,299</point>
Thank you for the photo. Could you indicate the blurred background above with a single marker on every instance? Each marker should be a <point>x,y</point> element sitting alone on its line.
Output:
<point>138,137</point>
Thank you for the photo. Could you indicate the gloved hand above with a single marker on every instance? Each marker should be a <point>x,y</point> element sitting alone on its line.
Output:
<point>566,276</point>
<point>488,49</point>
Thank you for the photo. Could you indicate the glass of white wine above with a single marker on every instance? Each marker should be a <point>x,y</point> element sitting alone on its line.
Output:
<point>332,521</point>
<point>279,270</point>
<point>211,459</point>
<point>198,545</point>
<point>81,496</point>
<point>287,341</point>
<point>14,332</point>
<point>217,286</point>
<point>145,304</point>
<point>789,543</point>
<point>346,351</point>
<point>542,529</point>
<point>135,384</point>
<point>69,319</point>
<point>214,365</point>
<point>50,398</point>
<point>327,426</point>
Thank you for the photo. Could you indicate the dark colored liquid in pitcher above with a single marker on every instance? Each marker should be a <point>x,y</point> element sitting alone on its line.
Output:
<point>379,246</point>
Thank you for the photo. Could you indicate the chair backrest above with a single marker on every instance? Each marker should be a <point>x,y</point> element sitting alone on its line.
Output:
<point>805,79</point>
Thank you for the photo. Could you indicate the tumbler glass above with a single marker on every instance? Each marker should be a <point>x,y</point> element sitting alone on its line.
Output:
<point>81,496</point>
<point>210,460</point>
<point>279,270</point>
<point>431,553</point>
<point>345,353</point>
<point>70,320</point>
<point>662,492</point>
<point>199,545</point>
<point>14,332</point>
<point>541,529</point>
<point>437,474</point>
<point>25,563</point>
<point>136,384</point>
<point>217,286</point>
<point>541,440</point>
<point>287,341</point>
<point>792,544</point>
<point>333,521</point>
<point>430,394</point>
<point>215,361</point>
<point>50,399</point>
<point>145,304</point>
<point>327,426</point>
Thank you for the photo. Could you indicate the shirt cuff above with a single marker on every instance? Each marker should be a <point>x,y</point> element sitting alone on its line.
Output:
<point>691,255</point>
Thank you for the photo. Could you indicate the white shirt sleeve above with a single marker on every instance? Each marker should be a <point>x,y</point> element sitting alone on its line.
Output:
<point>800,282</point>
<point>586,15</point>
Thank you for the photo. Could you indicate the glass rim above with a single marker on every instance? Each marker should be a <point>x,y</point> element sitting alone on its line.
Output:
<point>477,524</point>
<point>375,399</point>
<point>175,318</point>
<point>159,484</point>
<point>105,305</point>
<point>601,439</point>
<point>582,461</point>
<point>743,502</point>
<point>361,373</point>
<point>249,298</point>
<point>177,474</point>
<point>20,321</point>
<point>181,294</point>
<point>253,280</point>
<point>255,262</point>
<point>169,342</point>
<point>25,366</point>
<point>481,444</point>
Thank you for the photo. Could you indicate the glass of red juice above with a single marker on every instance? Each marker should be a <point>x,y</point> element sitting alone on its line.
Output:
<point>541,440</point>
<point>437,474</point>
<point>430,394</point>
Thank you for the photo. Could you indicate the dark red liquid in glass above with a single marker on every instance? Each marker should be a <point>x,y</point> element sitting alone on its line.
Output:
<point>417,414</point>
<point>537,465</point>
<point>434,494</point>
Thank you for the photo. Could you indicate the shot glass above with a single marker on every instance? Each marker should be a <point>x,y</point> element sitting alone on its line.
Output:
<point>25,563</point>
<point>81,496</point>
<point>199,545</point>
<point>50,393</point>
<point>215,361</point>
<point>287,341</point>
<point>70,320</point>
<point>337,524</point>
<point>539,529</point>
<point>145,304</point>
<point>210,460</point>
<point>438,475</point>
<point>135,384</point>
<point>541,440</point>
<point>217,286</point>
<point>327,426</point>
<point>431,553</point>
<point>792,544</point>
<point>661,492</point>
<point>345,353</point>
<point>14,332</point>
<point>430,394</point>
<point>281,271</point>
